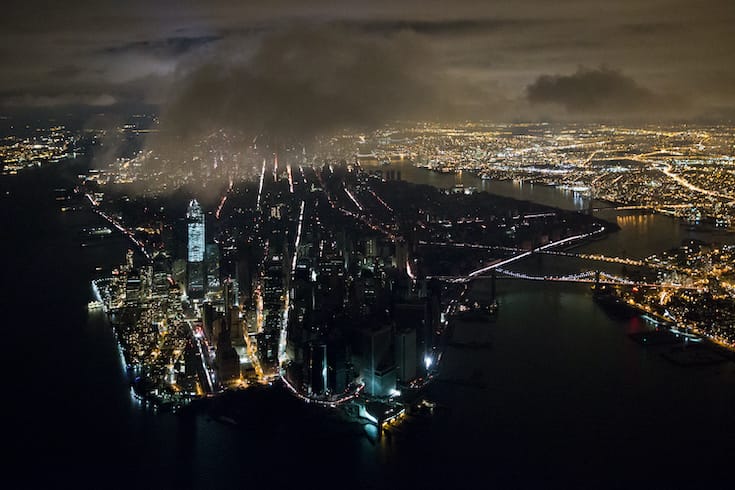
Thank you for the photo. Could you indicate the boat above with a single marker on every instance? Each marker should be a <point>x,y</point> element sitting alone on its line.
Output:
<point>96,232</point>
<point>95,305</point>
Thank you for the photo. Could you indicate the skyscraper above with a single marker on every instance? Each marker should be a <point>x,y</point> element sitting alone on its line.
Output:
<point>195,256</point>
<point>195,220</point>
<point>273,291</point>
<point>212,267</point>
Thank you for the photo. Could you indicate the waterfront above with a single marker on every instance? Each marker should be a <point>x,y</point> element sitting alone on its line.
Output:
<point>608,402</point>
<point>640,235</point>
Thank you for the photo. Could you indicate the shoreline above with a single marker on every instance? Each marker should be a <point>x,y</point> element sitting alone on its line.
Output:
<point>706,225</point>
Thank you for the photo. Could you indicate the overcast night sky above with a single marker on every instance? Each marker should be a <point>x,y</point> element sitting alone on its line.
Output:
<point>656,59</point>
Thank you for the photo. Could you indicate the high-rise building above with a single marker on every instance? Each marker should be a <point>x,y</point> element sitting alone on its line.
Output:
<point>317,368</point>
<point>195,221</point>
<point>232,314</point>
<point>273,291</point>
<point>195,249</point>
<point>212,255</point>
<point>373,353</point>
<point>405,345</point>
<point>133,288</point>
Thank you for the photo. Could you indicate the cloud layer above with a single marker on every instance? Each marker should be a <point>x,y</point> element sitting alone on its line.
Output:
<point>601,92</point>
<point>305,81</point>
<point>60,100</point>
<point>135,51</point>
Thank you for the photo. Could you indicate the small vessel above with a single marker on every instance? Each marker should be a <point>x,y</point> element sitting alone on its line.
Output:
<point>684,332</point>
<point>95,305</point>
<point>96,231</point>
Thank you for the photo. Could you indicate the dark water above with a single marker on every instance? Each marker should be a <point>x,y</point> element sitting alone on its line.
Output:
<point>568,399</point>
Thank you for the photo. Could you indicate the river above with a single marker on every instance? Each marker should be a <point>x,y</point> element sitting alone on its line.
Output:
<point>564,391</point>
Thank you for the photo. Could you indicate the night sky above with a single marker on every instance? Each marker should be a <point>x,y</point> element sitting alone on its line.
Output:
<point>496,60</point>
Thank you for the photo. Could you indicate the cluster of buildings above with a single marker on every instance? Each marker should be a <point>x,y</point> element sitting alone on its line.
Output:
<point>330,303</point>
<point>321,274</point>
<point>146,309</point>
<point>687,172</point>
<point>696,293</point>
<point>707,305</point>
<point>357,319</point>
<point>41,147</point>
<point>323,301</point>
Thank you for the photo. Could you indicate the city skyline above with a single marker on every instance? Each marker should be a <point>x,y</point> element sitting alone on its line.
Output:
<point>408,244</point>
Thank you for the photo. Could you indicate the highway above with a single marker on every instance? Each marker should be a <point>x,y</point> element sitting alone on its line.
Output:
<point>617,260</point>
<point>667,170</point>
<point>118,225</point>
<point>589,277</point>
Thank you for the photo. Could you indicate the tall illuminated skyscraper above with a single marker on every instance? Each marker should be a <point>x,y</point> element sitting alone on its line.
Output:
<point>195,223</point>
<point>195,219</point>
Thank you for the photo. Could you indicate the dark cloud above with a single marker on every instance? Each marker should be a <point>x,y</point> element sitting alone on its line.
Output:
<point>166,47</point>
<point>600,92</point>
<point>306,81</point>
<point>51,101</point>
<point>65,71</point>
<point>136,50</point>
<point>439,27</point>
<point>655,28</point>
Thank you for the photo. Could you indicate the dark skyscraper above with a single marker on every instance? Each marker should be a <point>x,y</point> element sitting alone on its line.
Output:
<point>273,291</point>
